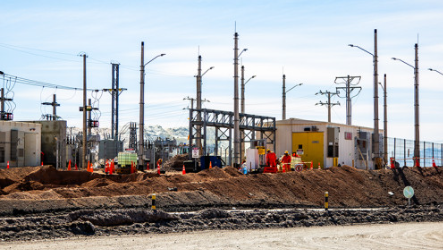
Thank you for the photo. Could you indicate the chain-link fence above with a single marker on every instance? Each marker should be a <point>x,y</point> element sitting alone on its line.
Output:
<point>403,152</point>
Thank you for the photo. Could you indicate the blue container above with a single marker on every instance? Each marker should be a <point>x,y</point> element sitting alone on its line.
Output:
<point>205,162</point>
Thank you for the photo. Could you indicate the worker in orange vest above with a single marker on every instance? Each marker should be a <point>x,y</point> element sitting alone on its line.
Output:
<point>286,159</point>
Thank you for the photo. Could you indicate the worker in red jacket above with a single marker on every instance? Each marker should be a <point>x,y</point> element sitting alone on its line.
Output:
<point>271,159</point>
<point>286,160</point>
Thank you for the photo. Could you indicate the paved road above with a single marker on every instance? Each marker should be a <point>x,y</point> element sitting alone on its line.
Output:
<point>385,236</point>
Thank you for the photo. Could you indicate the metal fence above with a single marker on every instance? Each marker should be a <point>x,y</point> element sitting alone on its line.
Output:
<point>403,152</point>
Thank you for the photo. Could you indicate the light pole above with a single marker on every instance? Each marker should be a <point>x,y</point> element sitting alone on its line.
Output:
<point>284,95</point>
<point>430,69</point>
<point>199,102</point>
<point>375,136</point>
<point>416,102</point>
<point>141,106</point>
<point>237,143</point>
<point>385,121</point>
<point>243,85</point>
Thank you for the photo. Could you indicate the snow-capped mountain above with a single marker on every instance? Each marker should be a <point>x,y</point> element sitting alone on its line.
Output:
<point>151,132</point>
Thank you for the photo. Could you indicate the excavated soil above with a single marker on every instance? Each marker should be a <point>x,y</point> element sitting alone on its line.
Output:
<point>347,187</point>
<point>42,202</point>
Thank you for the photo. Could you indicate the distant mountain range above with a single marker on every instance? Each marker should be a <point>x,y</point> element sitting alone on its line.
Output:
<point>152,132</point>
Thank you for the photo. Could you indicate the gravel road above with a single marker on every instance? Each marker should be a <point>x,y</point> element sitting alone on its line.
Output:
<point>428,235</point>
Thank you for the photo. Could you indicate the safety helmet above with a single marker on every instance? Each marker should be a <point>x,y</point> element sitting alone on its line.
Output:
<point>286,152</point>
<point>268,150</point>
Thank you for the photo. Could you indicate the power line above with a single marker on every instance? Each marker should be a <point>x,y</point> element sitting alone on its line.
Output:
<point>26,81</point>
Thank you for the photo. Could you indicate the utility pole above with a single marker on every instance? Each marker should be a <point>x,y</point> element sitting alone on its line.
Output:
<point>84,110</point>
<point>416,104</point>
<point>141,106</point>
<point>284,95</point>
<point>141,110</point>
<point>329,95</point>
<point>236,105</point>
<point>385,122</point>
<point>284,98</point>
<point>198,105</point>
<point>376,137</point>
<point>347,80</point>
<point>191,101</point>
<point>243,87</point>
<point>54,104</point>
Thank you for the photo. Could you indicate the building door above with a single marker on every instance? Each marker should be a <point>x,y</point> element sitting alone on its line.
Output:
<point>31,153</point>
<point>309,145</point>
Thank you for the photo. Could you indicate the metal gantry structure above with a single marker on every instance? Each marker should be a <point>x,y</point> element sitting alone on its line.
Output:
<point>115,91</point>
<point>223,122</point>
<point>347,80</point>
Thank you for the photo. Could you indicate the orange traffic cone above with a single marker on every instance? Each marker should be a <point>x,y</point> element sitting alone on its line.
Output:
<point>88,166</point>
<point>319,166</point>
<point>434,163</point>
<point>69,165</point>
<point>210,166</point>
<point>75,166</point>
<point>312,165</point>
<point>7,165</point>
<point>112,167</point>
<point>183,169</point>
<point>159,170</point>
<point>417,163</point>
<point>42,164</point>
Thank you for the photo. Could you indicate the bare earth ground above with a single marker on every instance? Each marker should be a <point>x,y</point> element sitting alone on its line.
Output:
<point>44,203</point>
<point>389,236</point>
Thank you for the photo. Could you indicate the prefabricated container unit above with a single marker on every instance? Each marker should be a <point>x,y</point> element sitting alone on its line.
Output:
<point>20,144</point>
<point>326,144</point>
<point>126,158</point>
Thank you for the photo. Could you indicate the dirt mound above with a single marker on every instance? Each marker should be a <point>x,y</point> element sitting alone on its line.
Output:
<point>99,182</point>
<point>9,176</point>
<point>347,187</point>
<point>175,163</point>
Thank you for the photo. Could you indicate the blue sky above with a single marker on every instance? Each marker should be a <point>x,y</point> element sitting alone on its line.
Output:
<point>306,40</point>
